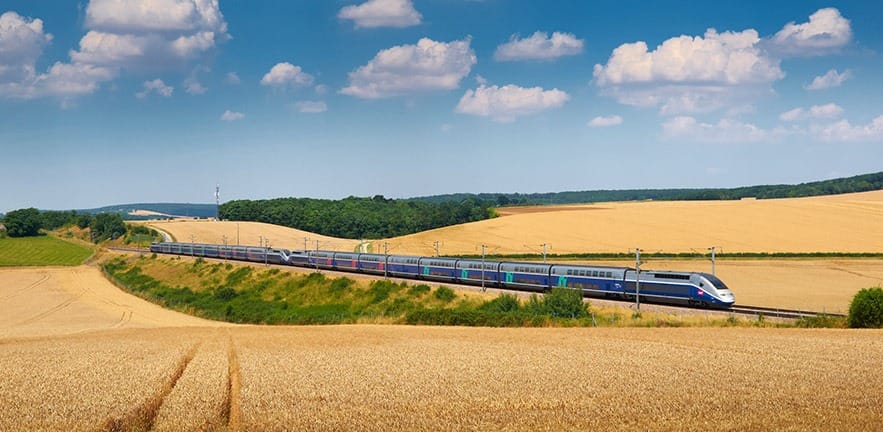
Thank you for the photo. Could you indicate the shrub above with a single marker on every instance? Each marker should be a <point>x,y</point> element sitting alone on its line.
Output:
<point>866,309</point>
<point>445,294</point>
<point>502,304</point>
<point>339,285</point>
<point>560,303</point>
<point>418,290</point>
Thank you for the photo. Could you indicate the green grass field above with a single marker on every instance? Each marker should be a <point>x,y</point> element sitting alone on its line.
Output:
<point>41,251</point>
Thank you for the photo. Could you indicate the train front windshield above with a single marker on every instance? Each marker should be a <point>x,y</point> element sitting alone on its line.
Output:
<point>719,284</point>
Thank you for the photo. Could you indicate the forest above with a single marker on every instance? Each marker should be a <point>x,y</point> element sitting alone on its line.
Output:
<point>358,218</point>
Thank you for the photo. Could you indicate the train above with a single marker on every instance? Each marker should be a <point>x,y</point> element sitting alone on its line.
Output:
<point>695,289</point>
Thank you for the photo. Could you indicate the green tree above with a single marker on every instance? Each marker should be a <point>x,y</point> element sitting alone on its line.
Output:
<point>23,222</point>
<point>866,309</point>
<point>107,226</point>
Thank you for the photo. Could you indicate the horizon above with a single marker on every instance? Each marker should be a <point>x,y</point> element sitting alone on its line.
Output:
<point>412,98</point>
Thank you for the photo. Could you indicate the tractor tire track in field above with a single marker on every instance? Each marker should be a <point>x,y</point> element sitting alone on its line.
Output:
<point>143,416</point>
<point>232,410</point>
<point>43,278</point>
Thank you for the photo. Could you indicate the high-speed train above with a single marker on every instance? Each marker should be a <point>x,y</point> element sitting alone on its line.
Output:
<point>669,287</point>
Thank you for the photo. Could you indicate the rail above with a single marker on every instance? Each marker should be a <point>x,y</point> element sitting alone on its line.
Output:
<point>778,313</point>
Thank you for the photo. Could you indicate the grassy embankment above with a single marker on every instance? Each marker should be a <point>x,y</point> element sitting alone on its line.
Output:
<point>247,294</point>
<point>41,251</point>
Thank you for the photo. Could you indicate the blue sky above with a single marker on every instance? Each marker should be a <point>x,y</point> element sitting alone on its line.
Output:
<point>112,101</point>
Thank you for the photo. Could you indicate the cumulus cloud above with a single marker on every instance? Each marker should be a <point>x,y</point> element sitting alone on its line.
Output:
<point>402,69</point>
<point>724,131</point>
<point>382,13</point>
<point>155,86</point>
<point>826,31</point>
<point>539,46</point>
<point>192,85</point>
<point>718,70</point>
<point>232,116</point>
<point>145,35</point>
<point>688,74</point>
<point>843,131</point>
<point>149,34</point>
<point>21,42</point>
<point>827,111</point>
<point>311,106</point>
<point>832,78</point>
<point>602,121</point>
<point>286,74</point>
<point>504,104</point>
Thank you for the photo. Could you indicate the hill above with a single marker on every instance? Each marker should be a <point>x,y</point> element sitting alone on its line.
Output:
<point>146,211</point>
<point>860,183</point>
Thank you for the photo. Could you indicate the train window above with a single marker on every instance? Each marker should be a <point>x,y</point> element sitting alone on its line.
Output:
<point>595,273</point>
<point>569,272</point>
<point>609,274</point>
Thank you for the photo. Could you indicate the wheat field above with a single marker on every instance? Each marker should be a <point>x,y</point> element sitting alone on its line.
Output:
<point>374,378</point>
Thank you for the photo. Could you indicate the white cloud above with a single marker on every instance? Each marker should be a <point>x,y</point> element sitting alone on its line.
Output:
<point>725,131</point>
<point>155,86</point>
<point>321,89</point>
<point>382,13</point>
<point>602,121</point>
<point>146,35</point>
<point>689,74</point>
<point>311,106</point>
<point>192,85</point>
<point>832,78</point>
<point>232,116</point>
<point>504,104</point>
<point>826,31</point>
<point>149,34</point>
<point>284,74</point>
<point>827,111</point>
<point>232,78</point>
<point>539,46</point>
<point>21,43</point>
<point>402,69</point>
<point>842,131</point>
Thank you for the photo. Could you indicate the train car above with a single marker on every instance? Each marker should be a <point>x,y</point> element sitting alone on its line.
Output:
<point>593,281</point>
<point>681,288</point>
<point>438,269</point>
<point>525,276</point>
<point>321,259</point>
<point>472,272</point>
<point>299,258</point>
<point>373,263</point>
<point>244,253</point>
<point>345,261</point>
<point>403,266</point>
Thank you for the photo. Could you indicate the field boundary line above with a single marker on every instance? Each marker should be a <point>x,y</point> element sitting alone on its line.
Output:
<point>232,408</point>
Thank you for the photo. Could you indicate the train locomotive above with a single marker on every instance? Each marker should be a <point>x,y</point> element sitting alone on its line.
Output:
<point>694,289</point>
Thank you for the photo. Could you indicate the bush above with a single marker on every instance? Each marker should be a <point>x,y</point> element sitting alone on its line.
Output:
<point>418,290</point>
<point>560,303</point>
<point>502,304</point>
<point>23,223</point>
<point>445,294</point>
<point>866,309</point>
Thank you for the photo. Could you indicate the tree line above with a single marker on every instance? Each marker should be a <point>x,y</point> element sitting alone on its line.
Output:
<point>28,222</point>
<point>358,218</point>
<point>861,183</point>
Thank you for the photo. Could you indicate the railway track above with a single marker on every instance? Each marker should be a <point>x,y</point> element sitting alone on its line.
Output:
<point>778,313</point>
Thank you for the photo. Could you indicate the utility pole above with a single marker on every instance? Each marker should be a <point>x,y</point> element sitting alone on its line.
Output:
<point>435,243</point>
<point>261,241</point>
<point>483,289</point>
<point>226,252</point>
<point>192,244</point>
<point>386,259</point>
<point>305,244</point>
<point>317,255</point>
<point>266,254</point>
<point>544,253</point>
<point>712,249</point>
<point>638,279</point>
<point>237,233</point>
<point>218,202</point>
